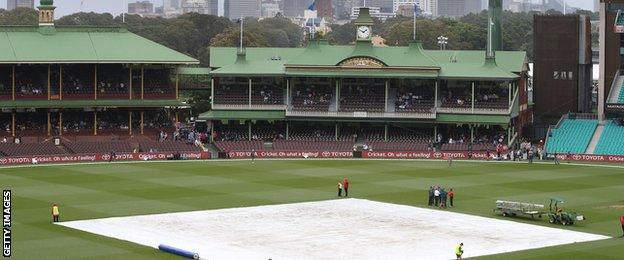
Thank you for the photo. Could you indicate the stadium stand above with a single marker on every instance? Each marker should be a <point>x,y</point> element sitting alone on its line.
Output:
<point>12,149</point>
<point>239,145</point>
<point>362,98</point>
<point>283,145</point>
<point>414,100</point>
<point>621,95</point>
<point>573,136</point>
<point>612,141</point>
<point>312,98</point>
<point>100,147</point>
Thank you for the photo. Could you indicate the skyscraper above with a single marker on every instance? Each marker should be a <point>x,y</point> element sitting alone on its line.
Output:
<point>242,8</point>
<point>325,8</point>
<point>141,8</point>
<point>295,8</point>
<point>458,8</point>
<point>200,6</point>
<point>12,4</point>
<point>171,5</point>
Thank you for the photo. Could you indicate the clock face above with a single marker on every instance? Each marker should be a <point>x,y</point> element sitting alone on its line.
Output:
<point>363,32</point>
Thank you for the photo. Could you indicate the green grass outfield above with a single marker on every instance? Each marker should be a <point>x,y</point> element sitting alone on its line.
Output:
<point>123,189</point>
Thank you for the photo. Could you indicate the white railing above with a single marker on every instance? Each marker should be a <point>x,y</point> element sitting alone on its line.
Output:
<point>469,110</point>
<point>247,107</point>
<point>362,114</point>
<point>616,88</point>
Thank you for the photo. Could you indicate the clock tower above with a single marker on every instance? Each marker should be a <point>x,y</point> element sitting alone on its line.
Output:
<point>364,26</point>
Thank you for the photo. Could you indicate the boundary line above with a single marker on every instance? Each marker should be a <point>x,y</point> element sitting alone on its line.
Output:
<point>301,159</point>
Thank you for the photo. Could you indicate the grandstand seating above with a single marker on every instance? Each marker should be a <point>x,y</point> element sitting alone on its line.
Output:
<point>621,95</point>
<point>12,149</point>
<point>398,146</point>
<point>465,147</point>
<point>620,19</point>
<point>232,95</point>
<point>313,98</point>
<point>267,95</point>
<point>612,140</point>
<point>492,105</point>
<point>360,99</point>
<point>283,145</point>
<point>100,147</point>
<point>573,135</point>
<point>239,145</point>
<point>166,146</point>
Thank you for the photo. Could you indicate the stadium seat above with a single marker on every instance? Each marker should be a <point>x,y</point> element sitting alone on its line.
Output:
<point>612,141</point>
<point>572,136</point>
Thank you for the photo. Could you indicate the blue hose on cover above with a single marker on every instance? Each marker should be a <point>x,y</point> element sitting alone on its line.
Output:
<point>178,251</point>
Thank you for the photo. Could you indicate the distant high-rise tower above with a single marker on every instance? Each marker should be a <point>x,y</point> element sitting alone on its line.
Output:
<point>325,8</point>
<point>12,4</point>
<point>141,8</point>
<point>295,8</point>
<point>242,8</point>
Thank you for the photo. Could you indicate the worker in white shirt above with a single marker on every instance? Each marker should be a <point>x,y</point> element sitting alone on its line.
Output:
<point>436,196</point>
<point>340,187</point>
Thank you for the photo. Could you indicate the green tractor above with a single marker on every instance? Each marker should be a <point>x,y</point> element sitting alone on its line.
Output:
<point>557,215</point>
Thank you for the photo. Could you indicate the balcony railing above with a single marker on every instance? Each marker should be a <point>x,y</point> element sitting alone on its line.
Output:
<point>410,115</point>
<point>247,107</point>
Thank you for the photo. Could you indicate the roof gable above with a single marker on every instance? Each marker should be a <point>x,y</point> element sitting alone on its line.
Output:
<point>411,61</point>
<point>83,45</point>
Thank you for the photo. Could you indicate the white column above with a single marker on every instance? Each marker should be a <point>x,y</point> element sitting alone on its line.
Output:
<point>386,96</point>
<point>287,130</point>
<point>249,92</point>
<point>510,88</point>
<point>386,132</point>
<point>602,61</point>
<point>338,94</point>
<point>336,131</point>
<point>212,86</point>
<point>249,131</point>
<point>435,104</point>
<point>287,93</point>
<point>473,96</point>
<point>472,133</point>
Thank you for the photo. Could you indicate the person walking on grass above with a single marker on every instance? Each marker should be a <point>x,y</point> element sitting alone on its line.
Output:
<point>430,196</point>
<point>340,187</point>
<point>556,159</point>
<point>459,250</point>
<point>345,186</point>
<point>55,213</point>
<point>451,195</point>
<point>442,199</point>
<point>253,156</point>
<point>622,222</point>
<point>436,196</point>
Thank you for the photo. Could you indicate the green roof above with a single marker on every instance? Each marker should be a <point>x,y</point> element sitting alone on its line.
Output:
<point>242,115</point>
<point>87,103</point>
<point>33,44</point>
<point>461,118</point>
<point>322,59</point>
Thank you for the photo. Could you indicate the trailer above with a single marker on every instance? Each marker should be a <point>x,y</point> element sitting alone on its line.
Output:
<point>519,209</point>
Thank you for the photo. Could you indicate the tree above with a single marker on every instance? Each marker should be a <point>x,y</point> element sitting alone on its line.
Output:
<point>90,19</point>
<point>19,16</point>
<point>342,34</point>
<point>230,37</point>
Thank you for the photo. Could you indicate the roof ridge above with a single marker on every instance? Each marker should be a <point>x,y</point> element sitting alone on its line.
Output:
<point>97,55</point>
<point>11,44</point>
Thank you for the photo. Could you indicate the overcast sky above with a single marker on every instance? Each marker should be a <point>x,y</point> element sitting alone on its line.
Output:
<point>66,7</point>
